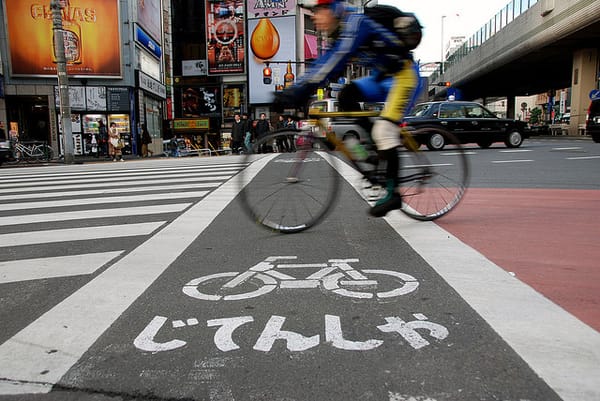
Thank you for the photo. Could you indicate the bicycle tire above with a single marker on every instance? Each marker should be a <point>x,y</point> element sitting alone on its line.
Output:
<point>290,191</point>
<point>436,193</point>
<point>48,153</point>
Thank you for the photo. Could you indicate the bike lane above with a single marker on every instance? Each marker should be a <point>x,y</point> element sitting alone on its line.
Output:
<point>417,339</point>
<point>297,341</point>
<point>546,237</point>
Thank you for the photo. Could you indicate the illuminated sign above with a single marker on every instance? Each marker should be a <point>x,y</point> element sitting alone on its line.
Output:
<point>90,32</point>
<point>190,123</point>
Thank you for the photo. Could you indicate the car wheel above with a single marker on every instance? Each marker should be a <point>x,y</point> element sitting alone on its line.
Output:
<point>436,142</point>
<point>596,137</point>
<point>484,144</point>
<point>514,139</point>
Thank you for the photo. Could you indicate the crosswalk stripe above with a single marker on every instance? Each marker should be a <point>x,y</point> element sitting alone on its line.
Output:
<point>96,176</point>
<point>60,266</point>
<point>107,178</point>
<point>104,191</point>
<point>27,176</point>
<point>95,201</point>
<point>78,234</point>
<point>116,183</point>
<point>92,214</point>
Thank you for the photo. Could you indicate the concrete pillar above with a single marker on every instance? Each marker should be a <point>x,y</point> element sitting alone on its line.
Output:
<point>584,79</point>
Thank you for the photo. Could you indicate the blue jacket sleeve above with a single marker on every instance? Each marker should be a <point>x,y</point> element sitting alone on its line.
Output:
<point>358,32</point>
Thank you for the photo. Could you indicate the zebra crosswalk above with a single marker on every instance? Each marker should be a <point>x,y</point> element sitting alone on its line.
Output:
<point>62,205</point>
<point>79,244</point>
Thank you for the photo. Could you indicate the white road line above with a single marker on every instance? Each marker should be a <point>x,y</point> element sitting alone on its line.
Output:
<point>148,188</point>
<point>105,179</point>
<point>113,184</point>
<point>515,150</point>
<point>51,345</point>
<point>108,199</point>
<point>92,214</point>
<point>561,349</point>
<point>60,266</point>
<point>154,169</point>
<point>583,157</point>
<point>78,234</point>
<point>569,148</point>
<point>512,161</point>
<point>97,176</point>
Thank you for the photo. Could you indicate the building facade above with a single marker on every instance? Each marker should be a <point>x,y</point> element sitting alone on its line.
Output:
<point>116,64</point>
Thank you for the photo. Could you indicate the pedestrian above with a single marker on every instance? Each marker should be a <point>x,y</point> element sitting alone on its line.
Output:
<point>282,142</point>
<point>291,125</point>
<point>102,138</point>
<point>247,132</point>
<point>146,140</point>
<point>115,143</point>
<point>237,133</point>
<point>263,127</point>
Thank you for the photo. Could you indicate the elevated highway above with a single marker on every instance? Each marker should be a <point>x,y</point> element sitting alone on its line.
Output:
<point>553,44</point>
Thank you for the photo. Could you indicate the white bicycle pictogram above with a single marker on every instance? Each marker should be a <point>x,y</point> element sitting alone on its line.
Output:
<point>337,276</point>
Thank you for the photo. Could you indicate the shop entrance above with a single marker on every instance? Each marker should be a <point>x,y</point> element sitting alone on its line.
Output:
<point>32,116</point>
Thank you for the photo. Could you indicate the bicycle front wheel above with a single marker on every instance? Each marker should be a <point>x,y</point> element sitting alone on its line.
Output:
<point>433,183</point>
<point>291,182</point>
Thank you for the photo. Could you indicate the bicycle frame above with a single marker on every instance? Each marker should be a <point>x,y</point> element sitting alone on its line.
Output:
<point>293,199</point>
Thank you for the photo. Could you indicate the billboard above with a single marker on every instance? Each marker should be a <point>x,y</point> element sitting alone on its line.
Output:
<point>90,32</point>
<point>272,40</point>
<point>225,36</point>
<point>148,17</point>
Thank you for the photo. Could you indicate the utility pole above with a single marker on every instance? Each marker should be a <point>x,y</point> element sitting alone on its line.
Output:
<point>63,79</point>
<point>442,48</point>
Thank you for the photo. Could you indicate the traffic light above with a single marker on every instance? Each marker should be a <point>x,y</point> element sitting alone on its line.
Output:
<point>267,75</point>
<point>445,83</point>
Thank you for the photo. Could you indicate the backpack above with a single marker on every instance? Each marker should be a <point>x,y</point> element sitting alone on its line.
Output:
<point>405,25</point>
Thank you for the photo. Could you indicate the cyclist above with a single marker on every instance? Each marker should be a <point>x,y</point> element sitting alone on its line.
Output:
<point>382,38</point>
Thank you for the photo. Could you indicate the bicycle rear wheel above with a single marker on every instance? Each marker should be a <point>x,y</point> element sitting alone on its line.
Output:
<point>289,191</point>
<point>433,183</point>
<point>47,153</point>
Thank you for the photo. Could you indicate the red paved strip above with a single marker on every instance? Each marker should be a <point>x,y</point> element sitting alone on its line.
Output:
<point>549,238</point>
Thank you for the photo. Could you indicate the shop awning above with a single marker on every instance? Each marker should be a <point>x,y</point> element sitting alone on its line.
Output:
<point>310,47</point>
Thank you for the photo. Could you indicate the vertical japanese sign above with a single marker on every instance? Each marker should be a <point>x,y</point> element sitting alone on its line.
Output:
<point>225,36</point>
<point>90,31</point>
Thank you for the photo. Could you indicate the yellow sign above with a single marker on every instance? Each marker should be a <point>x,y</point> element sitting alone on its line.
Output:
<point>190,123</point>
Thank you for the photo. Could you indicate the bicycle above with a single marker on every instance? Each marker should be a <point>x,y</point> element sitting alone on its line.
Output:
<point>32,152</point>
<point>336,276</point>
<point>291,192</point>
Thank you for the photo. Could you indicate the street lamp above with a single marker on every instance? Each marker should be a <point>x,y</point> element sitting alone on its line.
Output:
<point>442,48</point>
<point>63,79</point>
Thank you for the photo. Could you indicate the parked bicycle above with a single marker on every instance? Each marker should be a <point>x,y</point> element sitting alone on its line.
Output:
<point>291,192</point>
<point>32,152</point>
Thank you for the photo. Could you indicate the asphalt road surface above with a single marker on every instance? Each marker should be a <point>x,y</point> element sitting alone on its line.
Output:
<point>115,286</point>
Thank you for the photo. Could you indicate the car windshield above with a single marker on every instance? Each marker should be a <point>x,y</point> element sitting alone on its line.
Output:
<point>420,110</point>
